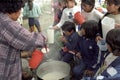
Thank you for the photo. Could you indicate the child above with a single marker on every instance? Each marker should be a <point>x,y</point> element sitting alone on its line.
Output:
<point>70,41</point>
<point>113,8</point>
<point>111,67</point>
<point>89,12</point>
<point>32,11</point>
<point>71,13</point>
<point>88,50</point>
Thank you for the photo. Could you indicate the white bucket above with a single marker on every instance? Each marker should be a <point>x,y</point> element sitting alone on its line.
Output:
<point>50,35</point>
<point>107,25</point>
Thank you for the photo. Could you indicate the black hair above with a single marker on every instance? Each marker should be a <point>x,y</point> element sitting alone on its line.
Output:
<point>115,2</point>
<point>91,29</point>
<point>68,26</point>
<point>30,4</point>
<point>72,1</point>
<point>11,6</point>
<point>113,40</point>
<point>89,2</point>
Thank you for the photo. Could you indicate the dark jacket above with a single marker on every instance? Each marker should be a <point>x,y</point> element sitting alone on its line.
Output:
<point>89,51</point>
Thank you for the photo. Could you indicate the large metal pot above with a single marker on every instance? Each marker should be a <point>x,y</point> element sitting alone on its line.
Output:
<point>53,70</point>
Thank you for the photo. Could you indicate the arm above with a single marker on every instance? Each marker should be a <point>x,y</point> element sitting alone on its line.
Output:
<point>98,14</point>
<point>20,38</point>
<point>62,20</point>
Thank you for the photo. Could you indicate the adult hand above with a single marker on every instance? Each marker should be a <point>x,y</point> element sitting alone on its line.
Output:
<point>26,54</point>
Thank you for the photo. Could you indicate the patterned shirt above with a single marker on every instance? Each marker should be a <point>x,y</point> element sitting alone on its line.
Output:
<point>13,39</point>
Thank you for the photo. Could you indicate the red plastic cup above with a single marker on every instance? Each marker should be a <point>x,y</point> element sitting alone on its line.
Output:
<point>36,59</point>
<point>79,18</point>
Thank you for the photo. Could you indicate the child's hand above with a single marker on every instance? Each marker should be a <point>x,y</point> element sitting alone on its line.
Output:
<point>79,55</point>
<point>89,73</point>
<point>98,38</point>
<point>64,49</point>
<point>117,25</point>
<point>63,39</point>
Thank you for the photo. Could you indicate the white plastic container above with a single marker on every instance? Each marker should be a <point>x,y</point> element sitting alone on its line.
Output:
<point>107,25</point>
<point>102,45</point>
<point>50,35</point>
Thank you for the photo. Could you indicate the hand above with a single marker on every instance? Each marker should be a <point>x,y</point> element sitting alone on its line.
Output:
<point>64,49</point>
<point>55,28</point>
<point>89,73</point>
<point>78,55</point>
<point>117,25</point>
<point>98,38</point>
<point>25,54</point>
<point>63,39</point>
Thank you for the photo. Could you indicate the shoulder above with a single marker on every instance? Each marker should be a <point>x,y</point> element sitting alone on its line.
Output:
<point>97,12</point>
<point>36,4</point>
<point>76,9</point>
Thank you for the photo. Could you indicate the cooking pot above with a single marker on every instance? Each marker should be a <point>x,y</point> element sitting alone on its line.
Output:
<point>53,70</point>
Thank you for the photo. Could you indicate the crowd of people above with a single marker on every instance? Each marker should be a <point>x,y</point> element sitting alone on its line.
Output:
<point>82,29</point>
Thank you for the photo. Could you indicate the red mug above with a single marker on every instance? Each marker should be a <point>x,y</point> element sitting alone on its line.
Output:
<point>36,59</point>
<point>79,18</point>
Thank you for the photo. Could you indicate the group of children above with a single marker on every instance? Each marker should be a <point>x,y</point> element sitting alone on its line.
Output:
<point>91,62</point>
<point>81,47</point>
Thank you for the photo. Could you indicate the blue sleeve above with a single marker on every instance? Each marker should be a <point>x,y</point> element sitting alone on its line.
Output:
<point>72,43</point>
<point>94,54</point>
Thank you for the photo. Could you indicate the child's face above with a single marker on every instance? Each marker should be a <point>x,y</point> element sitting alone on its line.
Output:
<point>113,9</point>
<point>86,7</point>
<point>70,4</point>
